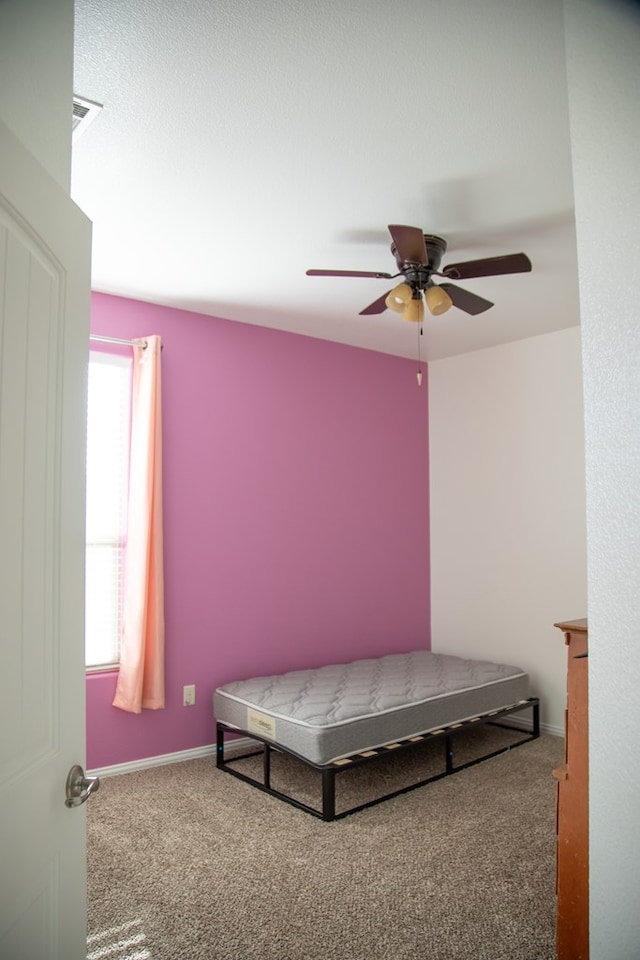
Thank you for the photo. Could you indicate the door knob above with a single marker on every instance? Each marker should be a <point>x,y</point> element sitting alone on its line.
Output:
<point>79,788</point>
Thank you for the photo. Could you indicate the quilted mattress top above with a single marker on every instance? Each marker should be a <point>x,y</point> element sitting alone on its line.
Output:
<point>337,694</point>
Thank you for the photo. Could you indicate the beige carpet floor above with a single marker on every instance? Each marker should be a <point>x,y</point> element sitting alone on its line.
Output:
<point>188,863</point>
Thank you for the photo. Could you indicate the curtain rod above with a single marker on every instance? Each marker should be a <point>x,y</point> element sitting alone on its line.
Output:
<point>128,343</point>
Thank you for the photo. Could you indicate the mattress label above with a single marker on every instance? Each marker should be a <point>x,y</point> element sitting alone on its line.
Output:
<point>260,723</point>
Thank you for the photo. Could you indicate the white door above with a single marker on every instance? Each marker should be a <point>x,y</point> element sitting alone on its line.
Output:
<point>44,317</point>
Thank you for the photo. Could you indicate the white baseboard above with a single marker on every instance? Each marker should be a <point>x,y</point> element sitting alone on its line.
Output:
<point>196,753</point>
<point>554,731</point>
<point>210,748</point>
<point>526,724</point>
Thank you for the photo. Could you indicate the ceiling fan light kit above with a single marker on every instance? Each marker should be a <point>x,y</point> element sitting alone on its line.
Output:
<point>418,257</point>
<point>405,300</point>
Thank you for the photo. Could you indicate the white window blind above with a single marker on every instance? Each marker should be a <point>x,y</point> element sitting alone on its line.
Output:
<point>108,432</point>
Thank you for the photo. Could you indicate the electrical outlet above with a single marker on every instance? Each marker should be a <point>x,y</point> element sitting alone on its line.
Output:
<point>189,695</point>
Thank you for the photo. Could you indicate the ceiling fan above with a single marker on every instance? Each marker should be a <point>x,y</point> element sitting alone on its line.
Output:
<point>418,257</point>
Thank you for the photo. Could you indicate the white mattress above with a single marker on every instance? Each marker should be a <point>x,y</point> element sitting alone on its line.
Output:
<point>332,712</point>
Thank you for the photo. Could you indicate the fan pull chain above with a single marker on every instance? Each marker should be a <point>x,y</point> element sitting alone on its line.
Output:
<point>419,373</point>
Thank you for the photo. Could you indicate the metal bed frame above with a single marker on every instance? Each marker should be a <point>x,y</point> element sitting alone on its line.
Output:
<point>329,771</point>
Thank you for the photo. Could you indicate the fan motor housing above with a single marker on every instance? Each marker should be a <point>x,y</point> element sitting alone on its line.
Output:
<point>419,274</point>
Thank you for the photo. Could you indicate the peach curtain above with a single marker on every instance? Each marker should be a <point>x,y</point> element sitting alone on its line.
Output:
<point>141,676</point>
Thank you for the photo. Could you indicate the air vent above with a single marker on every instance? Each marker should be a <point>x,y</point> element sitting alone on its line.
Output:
<point>84,111</point>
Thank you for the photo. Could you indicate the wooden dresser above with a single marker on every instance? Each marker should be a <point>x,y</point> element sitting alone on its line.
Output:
<point>572,882</point>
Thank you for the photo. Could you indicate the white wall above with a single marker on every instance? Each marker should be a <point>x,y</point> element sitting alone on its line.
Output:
<point>36,71</point>
<point>603,70</point>
<point>508,529</point>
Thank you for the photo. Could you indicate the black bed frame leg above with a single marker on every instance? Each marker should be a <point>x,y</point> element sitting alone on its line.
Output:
<point>219,747</point>
<point>448,748</point>
<point>536,720</point>
<point>328,794</point>
<point>266,762</point>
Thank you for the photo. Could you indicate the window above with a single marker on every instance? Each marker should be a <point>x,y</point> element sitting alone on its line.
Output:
<point>108,428</point>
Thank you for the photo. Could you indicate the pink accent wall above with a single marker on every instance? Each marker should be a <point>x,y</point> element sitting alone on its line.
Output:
<point>295,514</point>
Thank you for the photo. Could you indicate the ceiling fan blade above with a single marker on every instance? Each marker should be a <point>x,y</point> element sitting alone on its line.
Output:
<point>489,267</point>
<point>378,306</point>
<point>465,300</point>
<point>348,273</point>
<point>409,243</point>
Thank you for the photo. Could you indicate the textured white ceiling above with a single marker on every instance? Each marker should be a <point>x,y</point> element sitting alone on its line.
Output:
<point>243,141</point>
